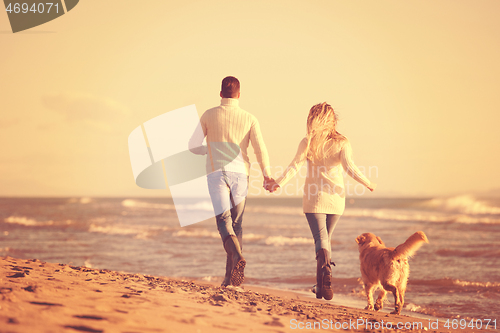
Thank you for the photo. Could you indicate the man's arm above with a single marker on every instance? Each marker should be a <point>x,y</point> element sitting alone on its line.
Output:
<point>196,142</point>
<point>259,147</point>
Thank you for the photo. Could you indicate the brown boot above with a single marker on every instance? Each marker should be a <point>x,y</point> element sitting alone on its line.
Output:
<point>324,273</point>
<point>229,267</point>
<point>232,247</point>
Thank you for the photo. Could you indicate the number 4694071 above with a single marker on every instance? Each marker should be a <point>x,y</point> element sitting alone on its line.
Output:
<point>474,324</point>
<point>35,8</point>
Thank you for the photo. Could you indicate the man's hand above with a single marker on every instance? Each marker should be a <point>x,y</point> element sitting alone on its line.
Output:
<point>270,184</point>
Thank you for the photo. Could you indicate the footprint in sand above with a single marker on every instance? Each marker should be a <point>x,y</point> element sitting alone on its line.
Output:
<point>46,303</point>
<point>17,275</point>
<point>275,322</point>
<point>5,290</point>
<point>31,289</point>
<point>84,329</point>
<point>89,317</point>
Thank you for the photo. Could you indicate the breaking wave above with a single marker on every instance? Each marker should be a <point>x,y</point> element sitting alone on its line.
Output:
<point>458,284</point>
<point>195,206</point>
<point>460,209</point>
<point>196,233</point>
<point>141,204</point>
<point>485,253</point>
<point>278,210</point>
<point>138,231</point>
<point>424,216</point>
<point>281,240</point>
<point>463,204</point>
<point>29,222</point>
<point>199,233</point>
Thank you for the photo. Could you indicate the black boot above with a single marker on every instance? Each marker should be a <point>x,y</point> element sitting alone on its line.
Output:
<point>233,250</point>
<point>324,275</point>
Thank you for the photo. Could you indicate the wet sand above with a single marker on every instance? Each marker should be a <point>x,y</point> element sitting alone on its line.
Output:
<point>36,296</point>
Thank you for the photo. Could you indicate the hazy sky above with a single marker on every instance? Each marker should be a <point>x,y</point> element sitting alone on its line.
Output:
<point>416,84</point>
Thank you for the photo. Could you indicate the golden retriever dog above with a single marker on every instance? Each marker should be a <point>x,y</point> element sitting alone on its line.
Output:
<point>386,267</point>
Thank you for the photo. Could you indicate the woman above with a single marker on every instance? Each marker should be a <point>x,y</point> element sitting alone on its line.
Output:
<point>328,153</point>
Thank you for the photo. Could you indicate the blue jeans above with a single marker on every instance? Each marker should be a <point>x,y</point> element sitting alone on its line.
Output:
<point>322,226</point>
<point>228,191</point>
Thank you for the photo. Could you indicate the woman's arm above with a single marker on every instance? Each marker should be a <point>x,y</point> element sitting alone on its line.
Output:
<point>295,165</point>
<point>351,168</point>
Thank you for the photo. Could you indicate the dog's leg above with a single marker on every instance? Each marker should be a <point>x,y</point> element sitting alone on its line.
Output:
<point>379,304</point>
<point>401,300</point>
<point>397,298</point>
<point>369,295</point>
<point>401,294</point>
<point>402,288</point>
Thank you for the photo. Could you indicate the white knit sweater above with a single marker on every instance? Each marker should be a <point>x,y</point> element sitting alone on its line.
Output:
<point>324,186</point>
<point>229,131</point>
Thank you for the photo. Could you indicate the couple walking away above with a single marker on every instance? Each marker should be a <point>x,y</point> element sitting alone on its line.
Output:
<point>229,130</point>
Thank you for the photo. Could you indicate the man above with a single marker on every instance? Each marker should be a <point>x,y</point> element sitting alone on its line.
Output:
<point>229,130</point>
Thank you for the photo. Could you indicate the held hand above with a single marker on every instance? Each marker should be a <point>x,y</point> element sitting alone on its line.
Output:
<point>270,185</point>
<point>273,187</point>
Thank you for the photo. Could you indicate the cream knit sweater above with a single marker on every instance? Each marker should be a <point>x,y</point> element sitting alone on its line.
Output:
<point>229,131</point>
<point>324,186</point>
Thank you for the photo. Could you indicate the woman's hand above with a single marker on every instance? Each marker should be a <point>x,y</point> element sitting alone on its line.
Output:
<point>270,184</point>
<point>372,187</point>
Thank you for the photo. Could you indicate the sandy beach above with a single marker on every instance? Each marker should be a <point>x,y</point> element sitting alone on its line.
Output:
<point>36,296</point>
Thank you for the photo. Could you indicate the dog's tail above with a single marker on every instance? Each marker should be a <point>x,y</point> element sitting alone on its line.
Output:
<point>412,244</point>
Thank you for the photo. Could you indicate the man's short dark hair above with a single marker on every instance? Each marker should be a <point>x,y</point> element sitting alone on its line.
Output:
<point>230,87</point>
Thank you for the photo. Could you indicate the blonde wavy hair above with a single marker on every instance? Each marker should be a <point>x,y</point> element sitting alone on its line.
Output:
<point>321,131</point>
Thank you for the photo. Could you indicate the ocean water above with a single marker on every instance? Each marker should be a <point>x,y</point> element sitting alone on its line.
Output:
<point>456,275</point>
